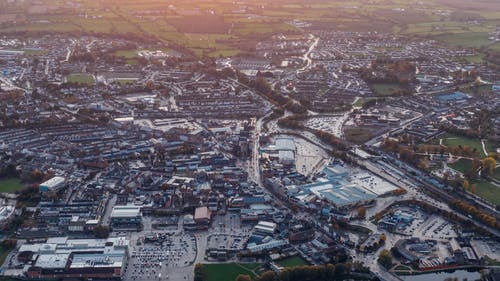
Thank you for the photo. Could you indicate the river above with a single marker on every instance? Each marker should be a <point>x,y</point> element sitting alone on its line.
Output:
<point>443,275</point>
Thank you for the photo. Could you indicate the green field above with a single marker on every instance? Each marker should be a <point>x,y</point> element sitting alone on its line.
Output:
<point>357,135</point>
<point>361,101</point>
<point>81,79</point>
<point>235,29</point>
<point>10,185</point>
<point>292,261</point>
<point>475,59</point>
<point>3,254</point>
<point>386,89</point>
<point>462,165</point>
<point>483,89</point>
<point>456,140</point>
<point>496,174</point>
<point>468,39</point>
<point>128,54</point>
<point>229,271</point>
<point>488,191</point>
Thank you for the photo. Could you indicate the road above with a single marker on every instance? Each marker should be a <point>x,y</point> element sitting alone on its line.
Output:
<point>306,57</point>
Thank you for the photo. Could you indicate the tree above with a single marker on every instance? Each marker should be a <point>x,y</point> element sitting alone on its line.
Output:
<point>199,272</point>
<point>243,277</point>
<point>267,276</point>
<point>101,231</point>
<point>466,185</point>
<point>474,188</point>
<point>489,164</point>
<point>385,259</point>
<point>362,212</point>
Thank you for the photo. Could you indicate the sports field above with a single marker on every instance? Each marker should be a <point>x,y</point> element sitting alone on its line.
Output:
<point>292,262</point>
<point>80,79</point>
<point>10,185</point>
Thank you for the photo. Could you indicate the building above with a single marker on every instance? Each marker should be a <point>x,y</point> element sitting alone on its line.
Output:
<point>202,217</point>
<point>6,214</point>
<point>61,257</point>
<point>266,245</point>
<point>301,231</point>
<point>128,217</point>
<point>265,228</point>
<point>54,184</point>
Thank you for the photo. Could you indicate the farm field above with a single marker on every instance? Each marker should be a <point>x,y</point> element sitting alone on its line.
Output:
<point>469,39</point>
<point>230,28</point>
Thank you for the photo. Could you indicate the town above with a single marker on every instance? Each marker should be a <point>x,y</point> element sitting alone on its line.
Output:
<point>360,154</point>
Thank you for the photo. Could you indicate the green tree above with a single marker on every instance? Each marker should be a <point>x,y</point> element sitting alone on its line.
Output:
<point>385,259</point>
<point>101,231</point>
<point>199,272</point>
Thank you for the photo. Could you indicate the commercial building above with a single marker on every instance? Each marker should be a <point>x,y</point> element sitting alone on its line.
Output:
<point>202,217</point>
<point>129,217</point>
<point>6,214</point>
<point>265,228</point>
<point>54,184</point>
<point>61,257</point>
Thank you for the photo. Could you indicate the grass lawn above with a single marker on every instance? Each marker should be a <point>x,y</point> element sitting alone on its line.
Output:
<point>496,173</point>
<point>128,54</point>
<point>456,140</point>
<point>125,81</point>
<point>475,59</point>
<point>11,185</point>
<point>3,254</point>
<point>361,101</point>
<point>479,90</point>
<point>386,89</point>
<point>467,39</point>
<point>402,267</point>
<point>357,135</point>
<point>292,261</point>
<point>462,165</point>
<point>81,78</point>
<point>488,191</point>
<point>228,271</point>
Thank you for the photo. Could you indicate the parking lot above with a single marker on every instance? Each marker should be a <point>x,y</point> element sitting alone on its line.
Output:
<point>170,253</point>
<point>158,259</point>
<point>330,124</point>
<point>436,228</point>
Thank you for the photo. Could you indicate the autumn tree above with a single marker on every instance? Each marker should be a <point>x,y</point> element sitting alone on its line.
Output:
<point>362,212</point>
<point>489,164</point>
<point>465,185</point>
<point>474,188</point>
<point>243,277</point>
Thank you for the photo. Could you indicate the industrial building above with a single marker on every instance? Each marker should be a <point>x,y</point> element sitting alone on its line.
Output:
<point>342,188</point>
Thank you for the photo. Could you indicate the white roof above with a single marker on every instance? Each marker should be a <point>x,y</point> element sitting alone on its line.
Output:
<point>53,182</point>
<point>125,211</point>
<point>52,260</point>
